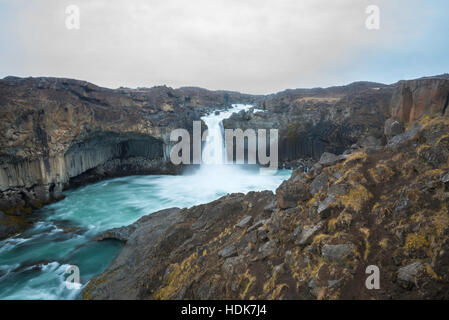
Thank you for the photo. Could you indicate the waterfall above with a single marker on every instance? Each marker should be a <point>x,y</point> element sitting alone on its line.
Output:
<point>214,148</point>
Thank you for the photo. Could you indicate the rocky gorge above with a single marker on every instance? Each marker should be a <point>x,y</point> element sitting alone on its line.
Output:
<point>61,133</point>
<point>374,192</point>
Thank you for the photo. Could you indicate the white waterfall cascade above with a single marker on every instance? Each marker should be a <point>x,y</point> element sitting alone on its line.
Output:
<point>214,148</point>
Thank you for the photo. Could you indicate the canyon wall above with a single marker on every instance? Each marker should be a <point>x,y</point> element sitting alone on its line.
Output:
<point>314,121</point>
<point>413,99</point>
<point>60,132</point>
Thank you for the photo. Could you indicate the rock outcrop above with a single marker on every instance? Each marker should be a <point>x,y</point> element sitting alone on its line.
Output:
<point>426,96</point>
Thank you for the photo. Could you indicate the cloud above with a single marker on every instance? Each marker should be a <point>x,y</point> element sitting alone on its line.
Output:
<point>257,46</point>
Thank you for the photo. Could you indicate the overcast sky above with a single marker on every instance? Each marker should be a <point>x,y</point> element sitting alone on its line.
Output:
<point>254,46</point>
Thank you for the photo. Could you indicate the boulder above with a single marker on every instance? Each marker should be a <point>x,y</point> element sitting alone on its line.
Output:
<point>400,141</point>
<point>337,252</point>
<point>267,249</point>
<point>308,232</point>
<point>233,264</point>
<point>372,144</point>
<point>338,189</point>
<point>328,159</point>
<point>409,273</point>
<point>319,182</point>
<point>244,222</point>
<point>393,127</point>
<point>228,251</point>
<point>290,193</point>
<point>325,206</point>
<point>445,178</point>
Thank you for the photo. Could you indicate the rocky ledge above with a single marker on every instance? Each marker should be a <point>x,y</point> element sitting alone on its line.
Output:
<point>313,239</point>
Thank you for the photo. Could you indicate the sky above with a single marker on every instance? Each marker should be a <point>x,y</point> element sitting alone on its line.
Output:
<point>251,46</point>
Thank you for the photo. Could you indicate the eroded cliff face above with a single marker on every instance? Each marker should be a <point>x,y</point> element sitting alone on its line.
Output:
<point>60,132</point>
<point>314,121</point>
<point>427,96</point>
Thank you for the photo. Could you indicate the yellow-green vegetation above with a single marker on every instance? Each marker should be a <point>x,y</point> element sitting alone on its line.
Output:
<point>277,291</point>
<point>331,225</point>
<point>358,156</point>
<point>366,233</point>
<point>432,273</point>
<point>427,121</point>
<point>357,196</point>
<point>415,241</point>
<point>246,280</point>
<point>271,283</point>
<point>381,173</point>
<point>353,175</point>
<point>384,243</point>
<point>181,274</point>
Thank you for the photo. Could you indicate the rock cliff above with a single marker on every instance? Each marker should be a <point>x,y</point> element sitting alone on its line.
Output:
<point>426,96</point>
<point>57,133</point>
<point>314,121</point>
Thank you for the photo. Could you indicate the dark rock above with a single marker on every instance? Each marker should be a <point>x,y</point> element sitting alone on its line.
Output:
<point>244,222</point>
<point>403,203</point>
<point>11,225</point>
<point>325,206</point>
<point>233,264</point>
<point>336,253</point>
<point>400,141</point>
<point>124,233</point>
<point>262,234</point>
<point>338,189</point>
<point>308,232</point>
<point>316,169</point>
<point>319,182</point>
<point>334,284</point>
<point>372,144</point>
<point>272,206</point>
<point>228,251</point>
<point>289,193</point>
<point>393,127</point>
<point>257,225</point>
<point>267,249</point>
<point>445,178</point>
<point>408,274</point>
<point>328,159</point>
